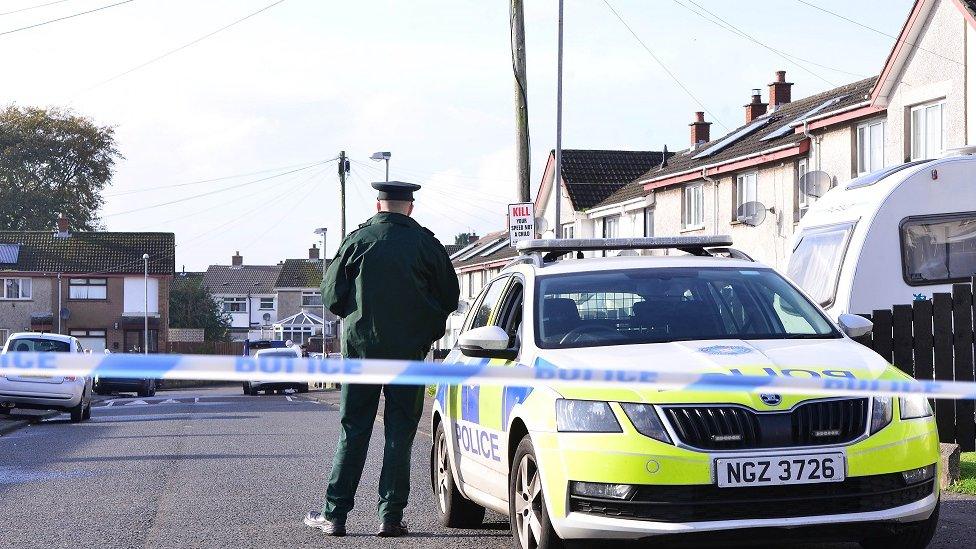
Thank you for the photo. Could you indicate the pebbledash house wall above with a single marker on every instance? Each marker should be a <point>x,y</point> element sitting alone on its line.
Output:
<point>15,315</point>
<point>931,76</point>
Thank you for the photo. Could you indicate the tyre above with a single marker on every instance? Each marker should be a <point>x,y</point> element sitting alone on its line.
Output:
<point>86,415</point>
<point>151,389</point>
<point>252,390</point>
<point>78,412</point>
<point>527,510</point>
<point>453,510</point>
<point>247,387</point>
<point>912,536</point>
<point>303,388</point>
<point>143,391</point>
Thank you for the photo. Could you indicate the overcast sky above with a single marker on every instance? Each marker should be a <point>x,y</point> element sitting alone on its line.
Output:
<point>430,81</point>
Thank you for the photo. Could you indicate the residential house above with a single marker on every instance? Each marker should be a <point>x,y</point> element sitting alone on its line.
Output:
<point>298,287</point>
<point>246,294</point>
<point>92,285</point>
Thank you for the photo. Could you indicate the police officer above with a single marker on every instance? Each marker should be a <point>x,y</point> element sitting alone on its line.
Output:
<point>393,284</point>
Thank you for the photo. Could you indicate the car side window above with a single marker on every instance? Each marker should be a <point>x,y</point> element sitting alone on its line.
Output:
<point>510,317</point>
<point>487,304</point>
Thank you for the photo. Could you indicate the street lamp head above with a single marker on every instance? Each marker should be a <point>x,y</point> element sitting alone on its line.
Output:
<point>145,256</point>
<point>321,230</point>
<point>383,155</point>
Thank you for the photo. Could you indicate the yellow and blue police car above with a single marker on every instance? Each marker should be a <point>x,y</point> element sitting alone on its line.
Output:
<point>569,464</point>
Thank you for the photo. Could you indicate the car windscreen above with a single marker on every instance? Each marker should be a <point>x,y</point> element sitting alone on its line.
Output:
<point>816,261</point>
<point>633,306</point>
<point>37,345</point>
<point>291,354</point>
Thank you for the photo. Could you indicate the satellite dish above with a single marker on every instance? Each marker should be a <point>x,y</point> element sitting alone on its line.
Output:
<point>751,213</point>
<point>816,183</point>
<point>541,225</point>
<point>266,317</point>
<point>65,313</point>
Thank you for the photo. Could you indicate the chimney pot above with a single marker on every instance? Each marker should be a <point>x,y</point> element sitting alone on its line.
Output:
<point>699,130</point>
<point>313,252</point>
<point>756,107</point>
<point>237,259</point>
<point>779,90</point>
<point>62,223</point>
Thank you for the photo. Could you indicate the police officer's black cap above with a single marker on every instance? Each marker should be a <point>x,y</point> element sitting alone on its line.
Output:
<point>395,190</point>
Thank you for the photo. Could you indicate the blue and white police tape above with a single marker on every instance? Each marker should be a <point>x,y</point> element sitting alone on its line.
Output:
<point>807,381</point>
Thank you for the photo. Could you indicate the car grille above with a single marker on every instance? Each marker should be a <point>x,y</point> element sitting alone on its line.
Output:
<point>735,427</point>
<point>708,502</point>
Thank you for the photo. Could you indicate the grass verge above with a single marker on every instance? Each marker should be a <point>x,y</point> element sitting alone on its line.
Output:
<point>967,475</point>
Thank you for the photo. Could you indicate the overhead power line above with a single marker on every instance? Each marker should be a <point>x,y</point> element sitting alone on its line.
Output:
<point>11,12</point>
<point>878,31</point>
<point>183,47</point>
<point>72,16</point>
<point>665,67</point>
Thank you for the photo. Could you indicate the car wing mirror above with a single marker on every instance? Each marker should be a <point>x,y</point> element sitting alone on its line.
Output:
<point>855,325</point>
<point>486,342</point>
<point>462,307</point>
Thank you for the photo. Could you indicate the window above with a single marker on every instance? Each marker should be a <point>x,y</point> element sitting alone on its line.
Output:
<point>15,288</point>
<point>133,341</point>
<point>87,288</point>
<point>4,334</point>
<point>92,340</point>
<point>482,313</point>
<point>648,221</point>
<point>939,249</point>
<point>235,304</point>
<point>693,206</point>
<point>746,195</point>
<point>870,147</point>
<point>267,304</point>
<point>311,299</point>
<point>816,262</point>
<point>611,226</point>
<point>673,304</point>
<point>38,345</point>
<point>569,230</point>
<point>927,136</point>
<point>803,200</point>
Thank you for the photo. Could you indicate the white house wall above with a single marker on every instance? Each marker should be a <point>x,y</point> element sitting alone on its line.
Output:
<point>929,78</point>
<point>970,85</point>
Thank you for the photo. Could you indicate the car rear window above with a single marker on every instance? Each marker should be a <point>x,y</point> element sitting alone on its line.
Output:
<point>37,345</point>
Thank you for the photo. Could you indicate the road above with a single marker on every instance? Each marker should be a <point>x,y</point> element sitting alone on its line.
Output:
<point>213,468</point>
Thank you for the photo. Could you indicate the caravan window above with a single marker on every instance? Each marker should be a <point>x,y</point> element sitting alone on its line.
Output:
<point>938,249</point>
<point>816,261</point>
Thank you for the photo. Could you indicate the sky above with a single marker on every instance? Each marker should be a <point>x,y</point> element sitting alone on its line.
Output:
<point>226,141</point>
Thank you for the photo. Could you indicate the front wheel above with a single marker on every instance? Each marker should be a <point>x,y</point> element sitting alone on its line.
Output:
<point>917,535</point>
<point>78,412</point>
<point>453,510</point>
<point>527,510</point>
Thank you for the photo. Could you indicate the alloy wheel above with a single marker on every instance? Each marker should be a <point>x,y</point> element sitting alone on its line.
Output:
<point>528,503</point>
<point>442,470</point>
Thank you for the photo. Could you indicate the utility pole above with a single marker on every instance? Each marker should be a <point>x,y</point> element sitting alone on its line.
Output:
<point>343,170</point>
<point>517,21</point>
<point>559,126</point>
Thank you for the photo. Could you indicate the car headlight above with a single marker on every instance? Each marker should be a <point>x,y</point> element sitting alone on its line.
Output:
<point>880,414</point>
<point>646,421</point>
<point>585,416</point>
<point>601,490</point>
<point>915,406</point>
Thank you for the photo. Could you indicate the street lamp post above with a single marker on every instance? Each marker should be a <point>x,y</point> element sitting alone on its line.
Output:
<point>322,231</point>
<point>145,312</point>
<point>385,155</point>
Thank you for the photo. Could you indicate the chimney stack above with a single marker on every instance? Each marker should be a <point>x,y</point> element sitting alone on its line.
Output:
<point>779,91</point>
<point>472,238</point>
<point>62,223</point>
<point>237,259</point>
<point>756,107</point>
<point>313,252</point>
<point>699,130</point>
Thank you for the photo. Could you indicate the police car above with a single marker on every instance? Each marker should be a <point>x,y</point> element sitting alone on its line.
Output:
<point>568,463</point>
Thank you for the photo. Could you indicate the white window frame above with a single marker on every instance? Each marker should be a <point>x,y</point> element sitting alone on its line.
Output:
<point>22,285</point>
<point>311,293</point>
<point>611,222</point>
<point>82,289</point>
<point>569,230</point>
<point>693,206</point>
<point>742,194</point>
<point>648,221</point>
<point>803,200</point>
<point>865,144</point>
<point>926,149</point>
<point>228,301</point>
<point>261,303</point>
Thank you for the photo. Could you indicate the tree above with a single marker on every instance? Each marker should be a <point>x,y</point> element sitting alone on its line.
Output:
<point>191,305</point>
<point>52,162</point>
<point>462,239</point>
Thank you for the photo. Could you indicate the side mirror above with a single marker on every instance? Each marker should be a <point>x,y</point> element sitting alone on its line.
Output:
<point>463,307</point>
<point>854,325</point>
<point>486,342</point>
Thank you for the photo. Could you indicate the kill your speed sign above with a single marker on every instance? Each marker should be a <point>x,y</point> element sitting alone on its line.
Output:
<point>521,222</point>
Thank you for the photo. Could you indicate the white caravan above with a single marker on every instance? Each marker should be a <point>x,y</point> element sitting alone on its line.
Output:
<point>890,237</point>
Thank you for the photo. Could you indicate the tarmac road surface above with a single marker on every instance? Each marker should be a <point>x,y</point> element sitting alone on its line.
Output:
<point>214,468</point>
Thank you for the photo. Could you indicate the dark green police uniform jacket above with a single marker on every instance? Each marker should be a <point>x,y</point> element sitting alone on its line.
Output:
<point>393,284</point>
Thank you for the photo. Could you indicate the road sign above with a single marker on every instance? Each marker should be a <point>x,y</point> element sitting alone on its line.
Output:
<point>521,222</point>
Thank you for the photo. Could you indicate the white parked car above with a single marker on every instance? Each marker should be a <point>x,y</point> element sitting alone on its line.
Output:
<point>253,387</point>
<point>66,393</point>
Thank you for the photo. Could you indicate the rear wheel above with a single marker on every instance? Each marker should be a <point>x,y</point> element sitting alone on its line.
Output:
<point>78,412</point>
<point>453,510</point>
<point>527,510</point>
<point>912,536</point>
<point>151,388</point>
<point>87,413</point>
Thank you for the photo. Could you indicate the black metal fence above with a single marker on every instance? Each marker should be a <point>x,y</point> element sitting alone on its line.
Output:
<point>933,339</point>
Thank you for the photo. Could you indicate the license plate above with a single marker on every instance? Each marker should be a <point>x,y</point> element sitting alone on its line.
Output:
<point>779,470</point>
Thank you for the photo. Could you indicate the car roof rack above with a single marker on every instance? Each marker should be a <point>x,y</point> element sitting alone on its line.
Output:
<point>549,249</point>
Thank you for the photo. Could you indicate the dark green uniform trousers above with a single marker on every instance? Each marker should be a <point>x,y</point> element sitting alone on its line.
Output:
<point>403,408</point>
